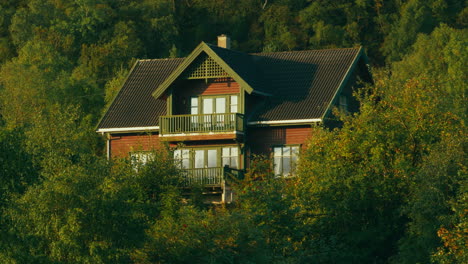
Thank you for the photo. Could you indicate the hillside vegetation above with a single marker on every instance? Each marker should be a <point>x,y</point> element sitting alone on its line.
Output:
<point>389,186</point>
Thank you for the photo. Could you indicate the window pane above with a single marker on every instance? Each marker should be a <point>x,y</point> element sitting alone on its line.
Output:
<point>234,152</point>
<point>286,151</point>
<point>199,159</point>
<point>193,101</point>
<point>177,154</point>
<point>221,105</point>
<point>295,151</point>
<point>226,152</point>
<point>212,158</point>
<point>277,165</point>
<point>286,165</point>
<point>208,105</point>
<point>293,163</point>
<point>277,151</point>
<point>185,163</point>
<point>233,99</point>
<point>226,161</point>
<point>234,164</point>
<point>233,109</point>
<point>185,153</point>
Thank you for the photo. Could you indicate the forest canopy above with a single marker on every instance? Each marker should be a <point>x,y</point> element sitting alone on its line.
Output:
<point>389,186</point>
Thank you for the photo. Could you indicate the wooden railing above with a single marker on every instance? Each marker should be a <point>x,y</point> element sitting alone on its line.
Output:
<point>233,175</point>
<point>205,123</point>
<point>203,176</point>
<point>211,176</point>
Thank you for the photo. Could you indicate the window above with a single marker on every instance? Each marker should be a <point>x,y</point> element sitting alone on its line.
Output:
<point>204,165</point>
<point>215,157</point>
<point>196,158</point>
<point>182,158</point>
<point>234,105</point>
<point>193,105</point>
<point>214,104</point>
<point>343,103</point>
<point>230,157</point>
<point>285,160</point>
<point>141,158</point>
<point>194,110</point>
<point>199,159</point>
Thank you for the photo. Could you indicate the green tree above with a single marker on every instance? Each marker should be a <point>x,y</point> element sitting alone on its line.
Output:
<point>37,77</point>
<point>439,62</point>
<point>418,17</point>
<point>361,188</point>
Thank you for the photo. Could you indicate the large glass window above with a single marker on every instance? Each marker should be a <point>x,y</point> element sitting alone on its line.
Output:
<point>208,105</point>
<point>234,104</point>
<point>214,104</point>
<point>343,103</point>
<point>182,158</point>
<point>207,158</point>
<point>140,158</point>
<point>212,155</point>
<point>199,159</point>
<point>220,105</point>
<point>285,160</point>
<point>193,105</point>
<point>230,157</point>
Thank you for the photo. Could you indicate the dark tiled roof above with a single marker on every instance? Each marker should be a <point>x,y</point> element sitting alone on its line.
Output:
<point>302,85</point>
<point>134,106</point>
<point>244,65</point>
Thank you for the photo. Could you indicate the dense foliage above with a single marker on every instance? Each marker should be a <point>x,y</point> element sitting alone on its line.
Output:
<point>389,186</point>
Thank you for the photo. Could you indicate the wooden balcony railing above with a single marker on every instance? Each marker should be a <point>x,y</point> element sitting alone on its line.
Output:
<point>210,176</point>
<point>205,123</point>
<point>203,176</point>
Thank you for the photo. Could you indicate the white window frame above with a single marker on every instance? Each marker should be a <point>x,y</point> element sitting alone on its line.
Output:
<point>282,153</point>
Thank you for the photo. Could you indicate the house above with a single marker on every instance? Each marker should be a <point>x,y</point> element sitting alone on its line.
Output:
<point>217,107</point>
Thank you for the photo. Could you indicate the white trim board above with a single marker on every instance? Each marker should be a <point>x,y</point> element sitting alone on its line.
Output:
<point>294,121</point>
<point>128,129</point>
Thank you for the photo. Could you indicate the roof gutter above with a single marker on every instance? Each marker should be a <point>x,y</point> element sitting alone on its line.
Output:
<point>286,122</point>
<point>127,129</point>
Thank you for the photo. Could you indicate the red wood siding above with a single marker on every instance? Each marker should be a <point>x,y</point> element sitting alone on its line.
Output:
<point>216,136</point>
<point>260,140</point>
<point>215,87</point>
<point>123,144</point>
<point>187,88</point>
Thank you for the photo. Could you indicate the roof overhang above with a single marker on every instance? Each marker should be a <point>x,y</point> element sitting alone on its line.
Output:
<point>344,80</point>
<point>203,47</point>
<point>286,122</point>
<point>128,129</point>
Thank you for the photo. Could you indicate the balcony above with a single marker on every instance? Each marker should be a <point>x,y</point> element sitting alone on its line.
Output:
<point>201,127</point>
<point>211,177</point>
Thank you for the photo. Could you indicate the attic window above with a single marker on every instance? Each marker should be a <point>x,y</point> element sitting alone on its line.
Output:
<point>205,67</point>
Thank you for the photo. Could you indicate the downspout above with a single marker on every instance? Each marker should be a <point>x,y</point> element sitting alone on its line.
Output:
<point>108,146</point>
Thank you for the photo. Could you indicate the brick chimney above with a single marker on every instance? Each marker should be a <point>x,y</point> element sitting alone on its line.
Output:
<point>224,41</point>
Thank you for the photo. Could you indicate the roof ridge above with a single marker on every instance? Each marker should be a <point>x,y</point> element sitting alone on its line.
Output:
<point>161,59</point>
<point>293,51</point>
<point>254,53</point>
<point>230,50</point>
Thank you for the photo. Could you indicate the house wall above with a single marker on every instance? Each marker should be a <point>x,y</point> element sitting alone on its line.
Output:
<point>260,140</point>
<point>122,144</point>
<point>218,86</point>
<point>188,88</point>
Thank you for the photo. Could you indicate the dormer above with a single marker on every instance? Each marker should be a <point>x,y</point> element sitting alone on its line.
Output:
<point>206,94</point>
